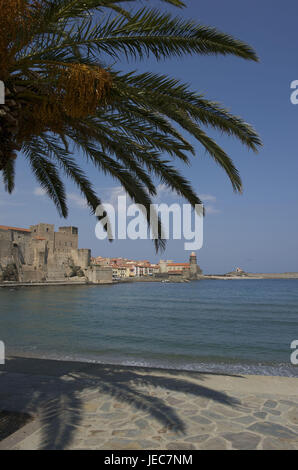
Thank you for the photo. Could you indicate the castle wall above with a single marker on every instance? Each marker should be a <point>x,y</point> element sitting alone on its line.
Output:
<point>99,274</point>
<point>5,248</point>
<point>41,254</point>
<point>83,258</point>
<point>15,247</point>
<point>25,248</point>
<point>59,263</point>
<point>32,274</point>
<point>66,238</point>
<point>45,231</point>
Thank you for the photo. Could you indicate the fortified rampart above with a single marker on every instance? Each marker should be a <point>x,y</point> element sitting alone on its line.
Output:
<point>40,254</point>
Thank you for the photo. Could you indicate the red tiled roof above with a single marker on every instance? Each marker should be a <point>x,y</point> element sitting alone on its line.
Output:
<point>17,229</point>
<point>178,264</point>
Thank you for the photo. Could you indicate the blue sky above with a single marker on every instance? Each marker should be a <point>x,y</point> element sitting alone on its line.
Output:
<point>257,230</point>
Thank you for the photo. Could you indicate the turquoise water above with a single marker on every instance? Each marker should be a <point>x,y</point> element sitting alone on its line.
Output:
<point>233,326</point>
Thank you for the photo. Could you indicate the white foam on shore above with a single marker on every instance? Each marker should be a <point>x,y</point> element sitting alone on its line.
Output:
<point>278,369</point>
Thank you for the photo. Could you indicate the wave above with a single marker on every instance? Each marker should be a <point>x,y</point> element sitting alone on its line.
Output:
<point>220,367</point>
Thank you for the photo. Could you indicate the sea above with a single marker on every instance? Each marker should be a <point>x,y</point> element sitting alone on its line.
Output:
<point>219,326</point>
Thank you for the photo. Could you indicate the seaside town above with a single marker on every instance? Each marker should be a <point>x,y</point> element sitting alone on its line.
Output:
<point>39,254</point>
<point>123,268</point>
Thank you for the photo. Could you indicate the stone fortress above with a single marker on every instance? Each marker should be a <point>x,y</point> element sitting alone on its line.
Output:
<point>39,254</point>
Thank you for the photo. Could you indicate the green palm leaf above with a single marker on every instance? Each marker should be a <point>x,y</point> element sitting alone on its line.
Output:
<point>65,93</point>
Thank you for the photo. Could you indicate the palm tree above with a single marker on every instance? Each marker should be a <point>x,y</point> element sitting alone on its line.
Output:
<point>63,97</point>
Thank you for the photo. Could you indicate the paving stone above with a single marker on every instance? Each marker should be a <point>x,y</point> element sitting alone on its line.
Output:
<point>179,445</point>
<point>215,443</point>
<point>92,441</point>
<point>146,444</point>
<point>228,426</point>
<point>212,415</point>
<point>163,430</point>
<point>121,444</point>
<point>245,420</point>
<point>190,412</point>
<point>90,407</point>
<point>273,429</point>
<point>196,428</point>
<point>198,439</point>
<point>284,408</point>
<point>116,414</point>
<point>289,403</point>
<point>243,440</point>
<point>141,423</point>
<point>121,424</point>
<point>270,404</point>
<point>96,432</point>
<point>174,401</point>
<point>253,402</point>
<point>293,415</point>
<point>126,432</point>
<point>280,420</point>
<point>272,412</point>
<point>200,420</point>
<point>277,444</point>
<point>201,402</point>
<point>118,405</point>
<point>226,411</point>
<point>294,428</point>
<point>157,438</point>
<point>260,414</point>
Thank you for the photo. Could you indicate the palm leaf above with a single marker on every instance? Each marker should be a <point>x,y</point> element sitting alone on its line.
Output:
<point>135,125</point>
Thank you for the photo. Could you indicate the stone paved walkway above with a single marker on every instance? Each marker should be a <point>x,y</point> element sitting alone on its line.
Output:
<point>86,406</point>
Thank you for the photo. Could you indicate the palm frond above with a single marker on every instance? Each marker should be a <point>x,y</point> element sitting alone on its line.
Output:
<point>130,183</point>
<point>66,162</point>
<point>47,175</point>
<point>8,175</point>
<point>65,94</point>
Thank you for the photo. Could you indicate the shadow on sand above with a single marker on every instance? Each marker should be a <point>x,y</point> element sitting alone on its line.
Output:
<point>54,390</point>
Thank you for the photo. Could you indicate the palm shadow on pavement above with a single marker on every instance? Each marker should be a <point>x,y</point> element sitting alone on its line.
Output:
<point>55,391</point>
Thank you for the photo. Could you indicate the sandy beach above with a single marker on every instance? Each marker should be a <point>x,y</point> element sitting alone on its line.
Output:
<point>95,406</point>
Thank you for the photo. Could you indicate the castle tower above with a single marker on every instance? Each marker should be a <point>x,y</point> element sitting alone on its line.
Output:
<point>194,269</point>
<point>163,267</point>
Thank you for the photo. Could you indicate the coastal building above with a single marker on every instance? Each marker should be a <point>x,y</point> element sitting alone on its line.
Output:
<point>101,261</point>
<point>238,272</point>
<point>177,267</point>
<point>124,268</point>
<point>189,270</point>
<point>143,268</point>
<point>39,254</point>
<point>155,269</point>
